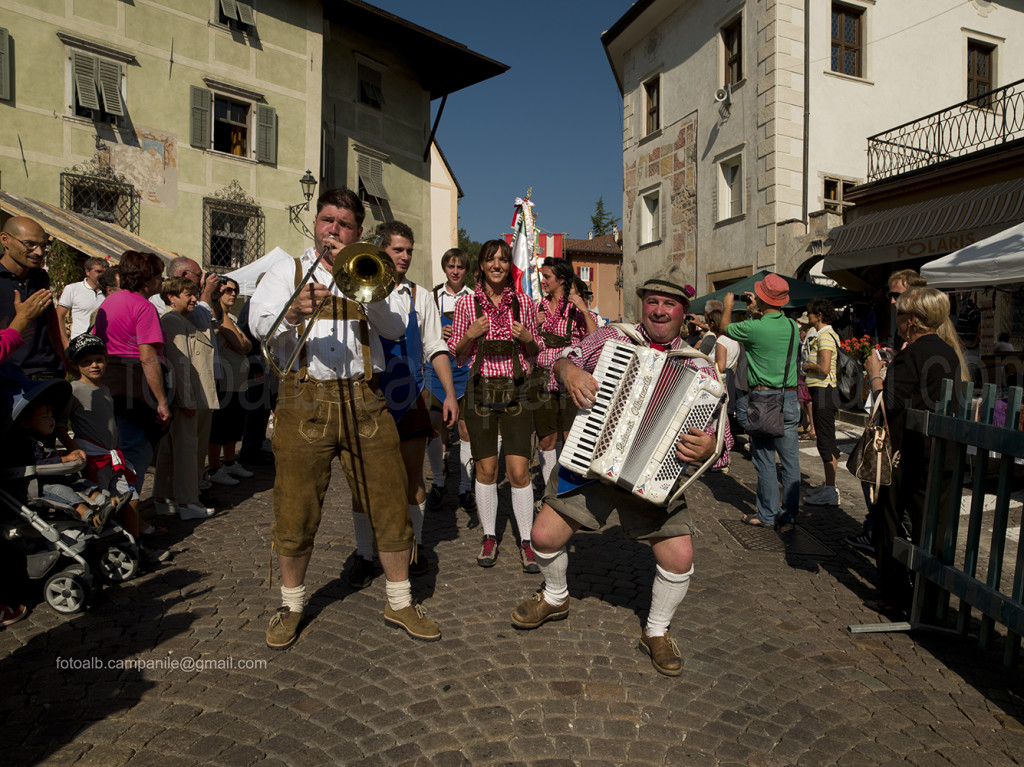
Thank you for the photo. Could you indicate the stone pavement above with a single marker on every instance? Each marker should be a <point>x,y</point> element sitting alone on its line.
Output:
<point>771,674</point>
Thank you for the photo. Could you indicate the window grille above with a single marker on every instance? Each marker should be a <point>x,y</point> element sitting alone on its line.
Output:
<point>95,190</point>
<point>233,229</point>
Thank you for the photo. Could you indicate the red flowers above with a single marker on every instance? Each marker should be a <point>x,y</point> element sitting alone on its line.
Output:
<point>859,348</point>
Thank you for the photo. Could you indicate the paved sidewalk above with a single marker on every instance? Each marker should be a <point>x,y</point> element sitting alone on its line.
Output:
<point>771,674</point>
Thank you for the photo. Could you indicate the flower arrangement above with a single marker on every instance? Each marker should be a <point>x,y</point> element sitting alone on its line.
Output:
<point>859,348</point>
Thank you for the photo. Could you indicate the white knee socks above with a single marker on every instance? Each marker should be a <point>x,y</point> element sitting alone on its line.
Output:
<point>399,593</point>
<point>548,458</point>
<point>522,509</point>
<point>364,536</point>
<point>554,567</point>
<point>466,461</point>
<point>667,594</point>
<point>416,512</point>
<point>435,454</point>
<point>294,597</point>
<point>487,506</point>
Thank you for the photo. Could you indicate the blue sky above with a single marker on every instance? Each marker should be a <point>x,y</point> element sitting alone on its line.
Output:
<point>570,149</point>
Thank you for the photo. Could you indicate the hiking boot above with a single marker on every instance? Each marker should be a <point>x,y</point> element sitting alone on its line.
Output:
<point>414,621</point>
<point>421,566</point>
<point>283,629</point>
<point>664,653</point>
<point>360,571</point>
<point>488,552</point>
<point>535,612</point>
<point>527,558</point>
<point>435,497</point>
<point>861,542</point>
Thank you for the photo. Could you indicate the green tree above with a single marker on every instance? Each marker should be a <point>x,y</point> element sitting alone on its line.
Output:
<point>602,222</point>
<point>472,248</point>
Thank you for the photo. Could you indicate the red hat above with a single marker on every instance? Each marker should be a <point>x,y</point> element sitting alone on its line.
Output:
<point>773,290</point>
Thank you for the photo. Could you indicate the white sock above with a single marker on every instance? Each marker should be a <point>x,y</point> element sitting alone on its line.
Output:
<point>364,536</point>
<point>399,593</point>
<point>294,597</point>
<point>554,567</point>
<point>667,594</point>
<point>466,465</point>
<point>416,512</point>
<point>548,459</point>
<point>522,509</point>
<point>487,506</point>
<point>435,454</point>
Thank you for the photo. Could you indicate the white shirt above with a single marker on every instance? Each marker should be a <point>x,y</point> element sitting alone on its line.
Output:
<point>732,351</point>
<point>446,300</point>
<point>427,317</point>
<point>333,349</point>
<point>82,301</point>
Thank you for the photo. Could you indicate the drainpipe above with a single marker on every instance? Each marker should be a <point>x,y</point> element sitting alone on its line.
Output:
<point>807,107</point>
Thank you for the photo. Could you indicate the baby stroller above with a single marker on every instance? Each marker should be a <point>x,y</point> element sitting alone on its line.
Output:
<point>57,544</point>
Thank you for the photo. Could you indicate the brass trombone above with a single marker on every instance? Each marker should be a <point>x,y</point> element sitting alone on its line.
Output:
<point>363,272</point>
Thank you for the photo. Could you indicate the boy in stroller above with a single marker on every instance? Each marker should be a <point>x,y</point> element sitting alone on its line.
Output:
<point>33,442</point>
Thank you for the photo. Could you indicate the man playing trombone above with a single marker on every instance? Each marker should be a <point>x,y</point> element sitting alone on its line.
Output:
<point>328,406</point>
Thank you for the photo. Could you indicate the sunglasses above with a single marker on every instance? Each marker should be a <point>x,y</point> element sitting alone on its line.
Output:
<point>893,295</point>
<point>228,290</point>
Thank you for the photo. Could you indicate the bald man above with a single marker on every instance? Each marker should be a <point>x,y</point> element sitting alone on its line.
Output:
<point>21,271</point>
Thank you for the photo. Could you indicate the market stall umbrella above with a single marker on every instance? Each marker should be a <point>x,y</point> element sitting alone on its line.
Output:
<point>996,260</point>
<point>800,292</point>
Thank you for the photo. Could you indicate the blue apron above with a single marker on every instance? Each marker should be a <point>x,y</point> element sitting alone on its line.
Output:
<point>402,379</point>
<point>460,373</point>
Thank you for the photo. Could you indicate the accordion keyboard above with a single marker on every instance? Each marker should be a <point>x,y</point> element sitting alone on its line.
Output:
<point>610,373</point>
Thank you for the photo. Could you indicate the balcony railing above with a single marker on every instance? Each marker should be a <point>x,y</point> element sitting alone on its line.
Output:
<point>981,122</point>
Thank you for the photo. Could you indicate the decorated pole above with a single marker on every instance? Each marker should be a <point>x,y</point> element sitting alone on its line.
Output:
<point>524,263</point>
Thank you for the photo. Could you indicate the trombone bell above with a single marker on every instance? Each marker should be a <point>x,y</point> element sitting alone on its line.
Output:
<point>364,273</point>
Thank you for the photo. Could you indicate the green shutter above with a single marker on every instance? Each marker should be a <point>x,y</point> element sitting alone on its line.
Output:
<point>5,64</point>
<point>83,67</point>
<point>227,7</point>
<point>201,128</point>
<point>245,13</point>
<point>110,87</point>
<point>266,134</point>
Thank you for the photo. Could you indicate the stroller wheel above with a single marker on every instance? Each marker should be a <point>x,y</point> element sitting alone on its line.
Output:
<point>118,562</point>
<point>67,592</point>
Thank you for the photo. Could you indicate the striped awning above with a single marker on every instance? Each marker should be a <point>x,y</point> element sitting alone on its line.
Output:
<point>927,229</point>
<point>83,233</point>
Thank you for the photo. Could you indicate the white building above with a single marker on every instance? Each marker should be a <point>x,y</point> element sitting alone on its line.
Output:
<point>744,121</point>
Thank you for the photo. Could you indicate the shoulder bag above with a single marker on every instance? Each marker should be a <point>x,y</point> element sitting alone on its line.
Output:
<point>765,407</point>
<point>873,459</point>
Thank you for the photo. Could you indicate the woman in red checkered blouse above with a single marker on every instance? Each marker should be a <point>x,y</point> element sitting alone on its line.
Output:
<point>496,330</point>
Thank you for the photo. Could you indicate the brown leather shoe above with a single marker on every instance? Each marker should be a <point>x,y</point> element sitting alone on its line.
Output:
<point>535,612</point>
<point>283,629</point>
<point>664,653</point>
<point>414,621</point>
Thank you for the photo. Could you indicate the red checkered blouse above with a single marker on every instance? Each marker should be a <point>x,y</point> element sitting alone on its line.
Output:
<point>495,365</point>
<point>556,320</point>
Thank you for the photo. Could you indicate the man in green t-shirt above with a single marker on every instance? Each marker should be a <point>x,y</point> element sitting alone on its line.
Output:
<point>768,341</point>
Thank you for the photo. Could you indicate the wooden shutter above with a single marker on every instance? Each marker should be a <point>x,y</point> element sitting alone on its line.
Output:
<point>110,87</point>
<point>371,173</point>
<point>266,134</point>
<point>229,9</point>
<point>245,13</point>
<point>83,68</point>
<point>5,64</point>
<point>200,128</point>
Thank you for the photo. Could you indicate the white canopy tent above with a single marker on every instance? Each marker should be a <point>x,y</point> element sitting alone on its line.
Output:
<point>248,275</point>
<point>996,260</point>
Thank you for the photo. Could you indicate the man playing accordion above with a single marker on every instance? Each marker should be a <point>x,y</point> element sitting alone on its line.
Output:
<point>568,507</point>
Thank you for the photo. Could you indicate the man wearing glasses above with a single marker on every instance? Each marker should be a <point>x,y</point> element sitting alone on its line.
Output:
<point>22,274</point>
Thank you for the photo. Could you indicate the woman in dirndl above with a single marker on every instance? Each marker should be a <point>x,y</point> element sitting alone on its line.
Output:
<point>495,329</point>
<point>563,320</point>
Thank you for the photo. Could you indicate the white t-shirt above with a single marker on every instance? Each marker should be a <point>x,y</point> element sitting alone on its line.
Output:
<point>732,351</point>
<point>82,301</point>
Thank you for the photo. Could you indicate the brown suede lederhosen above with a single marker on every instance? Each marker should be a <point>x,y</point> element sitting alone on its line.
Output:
<point>318,420</point>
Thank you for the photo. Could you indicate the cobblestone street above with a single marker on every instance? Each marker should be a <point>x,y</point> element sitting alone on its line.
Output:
<point>771,674</point>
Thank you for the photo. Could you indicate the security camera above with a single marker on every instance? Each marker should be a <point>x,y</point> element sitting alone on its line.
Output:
<point>723,96</point>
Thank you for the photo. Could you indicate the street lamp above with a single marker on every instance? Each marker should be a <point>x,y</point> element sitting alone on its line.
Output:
<point>308,184</point>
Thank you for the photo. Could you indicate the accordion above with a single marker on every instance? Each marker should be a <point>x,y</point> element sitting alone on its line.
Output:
<point>645,400</point>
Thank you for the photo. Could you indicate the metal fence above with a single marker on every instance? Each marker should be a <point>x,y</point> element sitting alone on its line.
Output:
<point>981,122</point>
<point>103,196</point>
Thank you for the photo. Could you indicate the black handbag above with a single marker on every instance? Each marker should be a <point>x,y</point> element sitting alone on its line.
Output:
<point>873,459</point>
<point>765,407</point>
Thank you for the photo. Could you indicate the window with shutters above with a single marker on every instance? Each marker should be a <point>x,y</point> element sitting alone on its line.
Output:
<point>730,188</point>
<point>650,217</point>
<point>96,87</point>
<point>732,45</point>
<point>236,15</point>
<point>585,273</point>
<point>6,70</point>
<point>232,125</point>
<point>371,178</point>
<point>652,108</point>
<point>233,229</point>
<point>370,90</point>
